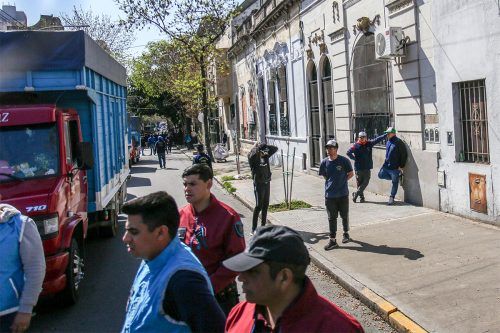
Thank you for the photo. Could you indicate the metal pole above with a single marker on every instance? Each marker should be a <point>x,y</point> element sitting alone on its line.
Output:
<point>287,193</point>
<point>291,181</point>
<point>283,172</point>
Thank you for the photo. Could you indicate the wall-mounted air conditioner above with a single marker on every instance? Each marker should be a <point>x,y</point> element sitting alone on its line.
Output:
<point>389,43</point>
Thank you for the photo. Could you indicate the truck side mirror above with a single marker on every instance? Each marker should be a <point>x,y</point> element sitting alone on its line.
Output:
<point>85,156</point>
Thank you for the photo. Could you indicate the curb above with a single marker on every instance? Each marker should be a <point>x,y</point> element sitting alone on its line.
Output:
<point>385,309</point>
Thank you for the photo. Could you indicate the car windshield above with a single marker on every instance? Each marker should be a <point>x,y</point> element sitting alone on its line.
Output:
<point>28,151</point>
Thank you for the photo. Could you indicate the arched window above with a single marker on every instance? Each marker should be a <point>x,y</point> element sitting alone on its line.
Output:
<point>283,101</point>
<point>314,115</point>
<point>326,80</point>
<point>370,88</point>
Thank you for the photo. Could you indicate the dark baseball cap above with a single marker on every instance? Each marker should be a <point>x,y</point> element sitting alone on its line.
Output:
<point>271,243</point>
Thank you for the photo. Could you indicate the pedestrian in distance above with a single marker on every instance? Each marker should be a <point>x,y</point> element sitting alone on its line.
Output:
<point>395,160</point>
<point>361,153</point>
<point>151,144</point>
<point>279,295</point>
<point>336,170</point>
<point>22,269</point>
<point>161,147</point>
<point>212,230</point>
<point>201,157</point>
<point>258,158</point>
<point>171,291</point>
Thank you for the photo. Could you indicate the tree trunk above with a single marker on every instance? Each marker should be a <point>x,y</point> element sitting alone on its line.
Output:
<point>206,108</point>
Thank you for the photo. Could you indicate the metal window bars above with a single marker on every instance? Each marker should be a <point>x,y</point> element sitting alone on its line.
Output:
<point>374,124</point>
<point>474,122</point>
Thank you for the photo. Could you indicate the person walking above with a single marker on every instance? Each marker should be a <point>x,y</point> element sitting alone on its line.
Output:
<point>336,170</point>
<point>22,269</point>
<point>258,158</point>
<point>151,144</point>
<point>171,290</point>
<point>395,160</point>
<point>212,230</point>
<point>161,147</point>
<point>201,157</point>
<point>361,153</point>
<point>279,295</point>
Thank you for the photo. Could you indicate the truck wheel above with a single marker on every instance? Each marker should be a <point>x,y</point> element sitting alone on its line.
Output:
<point>74,275</point>
<point>110,229</point>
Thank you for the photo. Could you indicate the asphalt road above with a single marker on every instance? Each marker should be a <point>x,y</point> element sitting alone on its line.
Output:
<point>110,269</point>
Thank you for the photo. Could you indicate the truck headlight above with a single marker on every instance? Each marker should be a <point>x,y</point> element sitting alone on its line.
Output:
<point>48,226</point>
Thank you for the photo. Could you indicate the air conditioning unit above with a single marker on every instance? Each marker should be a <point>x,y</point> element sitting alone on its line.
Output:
<point>389,43</point>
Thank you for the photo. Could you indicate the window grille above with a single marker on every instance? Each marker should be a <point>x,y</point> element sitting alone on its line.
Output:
<point>282,86</point>
<point>273,120</point>
<point>474,121</point>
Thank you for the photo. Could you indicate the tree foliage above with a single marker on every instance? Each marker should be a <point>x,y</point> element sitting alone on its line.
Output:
<point>193,26</point>
<point>111,36</point>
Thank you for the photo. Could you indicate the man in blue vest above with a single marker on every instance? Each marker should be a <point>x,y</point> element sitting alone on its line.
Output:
<point>171,291</point>
<point>22,269</point>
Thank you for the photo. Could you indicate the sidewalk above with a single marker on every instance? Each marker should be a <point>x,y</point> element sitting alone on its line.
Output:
<point>419,268</point>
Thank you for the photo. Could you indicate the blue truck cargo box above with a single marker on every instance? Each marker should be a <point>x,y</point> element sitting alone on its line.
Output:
<point>69,69</point>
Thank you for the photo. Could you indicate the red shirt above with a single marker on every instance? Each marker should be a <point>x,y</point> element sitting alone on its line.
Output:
<point>310,312</point>
<point>222,238</point>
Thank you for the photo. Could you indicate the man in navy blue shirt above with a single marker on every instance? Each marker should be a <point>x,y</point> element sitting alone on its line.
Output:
<point>336,170</point>
<point>361,153</point>
<point>201,157</point>
<point>395,160</point>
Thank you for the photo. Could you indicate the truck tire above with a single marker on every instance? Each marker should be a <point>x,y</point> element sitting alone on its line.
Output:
<point>110,230</point>
<point>74,275</point>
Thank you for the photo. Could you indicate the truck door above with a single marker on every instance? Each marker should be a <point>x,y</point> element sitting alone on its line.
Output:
<point>77,195</point>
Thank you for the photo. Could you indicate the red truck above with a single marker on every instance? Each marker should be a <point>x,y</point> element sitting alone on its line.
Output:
<point>63,139</point>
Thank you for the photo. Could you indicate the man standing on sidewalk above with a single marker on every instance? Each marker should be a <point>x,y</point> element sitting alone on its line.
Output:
<point>361,153</point>
<point>279,295</point>
<point>258,158</point>
<point>336,170</point>
<point>395,160</point>
<point>212,230</point>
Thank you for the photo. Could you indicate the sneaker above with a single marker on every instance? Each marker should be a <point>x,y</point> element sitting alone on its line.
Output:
<point>391,201</point>
<point>346,238</point>
<point>252,233</point>
<point>362,199</point>
<point>331,244</point>
<point>354,196</point>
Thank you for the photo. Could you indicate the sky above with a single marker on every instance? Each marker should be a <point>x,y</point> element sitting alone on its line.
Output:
<point>34,8</point>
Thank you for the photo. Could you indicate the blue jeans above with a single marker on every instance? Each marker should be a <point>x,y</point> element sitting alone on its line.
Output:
<point>161,159</point>
<point>392,175</point>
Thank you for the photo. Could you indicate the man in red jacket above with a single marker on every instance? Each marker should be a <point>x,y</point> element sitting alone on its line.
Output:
<point>213,231</point>
<point>280,297</point>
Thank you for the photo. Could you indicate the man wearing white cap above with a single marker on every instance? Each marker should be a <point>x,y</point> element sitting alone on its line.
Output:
<point>395,160</point>
<point>361,153</point>
<point>336,170</point>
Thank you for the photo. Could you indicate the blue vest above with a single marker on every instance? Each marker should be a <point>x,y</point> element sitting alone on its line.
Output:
<point>11,269</point>
<point>145,304</point>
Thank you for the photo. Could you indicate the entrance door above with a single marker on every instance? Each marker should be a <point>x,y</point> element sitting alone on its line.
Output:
<point>314,113</point>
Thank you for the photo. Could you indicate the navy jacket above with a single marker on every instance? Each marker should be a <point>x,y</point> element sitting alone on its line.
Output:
<point>395,154</point>
<point>361,154</point>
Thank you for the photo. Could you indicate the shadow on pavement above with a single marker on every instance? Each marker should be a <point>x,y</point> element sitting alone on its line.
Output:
<point>171,169</point>
<point>313,238</point>
<point>384,249</point>
<point>138,182</point>
<point>143,170</point>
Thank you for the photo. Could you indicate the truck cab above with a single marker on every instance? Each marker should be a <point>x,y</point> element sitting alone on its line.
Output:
<point>43,174</point>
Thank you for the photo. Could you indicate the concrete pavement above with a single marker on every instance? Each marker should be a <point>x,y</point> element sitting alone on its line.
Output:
<point>421,269</point>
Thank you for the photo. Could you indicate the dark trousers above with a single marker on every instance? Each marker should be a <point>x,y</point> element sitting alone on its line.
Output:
<point>334,206</point>
<point>161,159</point>
<point>262,192</point>
<point>228,298</point>
<point>6,322</point>
<point>362,180</point>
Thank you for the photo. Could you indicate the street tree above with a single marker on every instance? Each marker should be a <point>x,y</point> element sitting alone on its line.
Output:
<point>194,24</point>
<point>109,34</point>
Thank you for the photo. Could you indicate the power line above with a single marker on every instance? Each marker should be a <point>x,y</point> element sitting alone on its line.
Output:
<point>13,18</point>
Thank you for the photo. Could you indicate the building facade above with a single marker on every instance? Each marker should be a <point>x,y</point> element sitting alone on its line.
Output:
<point>10,18</point>
<point>308,71</point>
